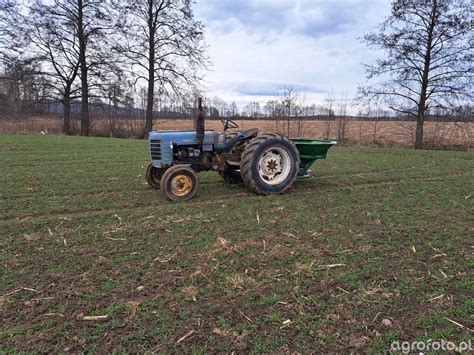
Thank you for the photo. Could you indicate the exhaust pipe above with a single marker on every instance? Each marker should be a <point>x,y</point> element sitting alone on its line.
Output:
<point>199,124</point>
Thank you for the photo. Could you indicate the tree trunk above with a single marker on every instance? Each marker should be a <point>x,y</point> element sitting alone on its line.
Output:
<point>151,74</point>
<point>420,119</point>
<point>67,114</point>
<point>85,119</point>
<point>149,104</point>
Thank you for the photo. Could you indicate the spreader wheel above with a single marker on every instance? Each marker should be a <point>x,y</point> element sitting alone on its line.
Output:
<point>179,183</point>
<point>270,164</point>
<point>153,176</point>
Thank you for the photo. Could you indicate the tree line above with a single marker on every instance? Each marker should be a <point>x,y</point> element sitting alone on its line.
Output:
<point>89,49</point>
<point>150,55</point>
<point>427,63</point>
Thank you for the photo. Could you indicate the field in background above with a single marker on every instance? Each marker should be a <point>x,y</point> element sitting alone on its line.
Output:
<point>376,234</point>
<point>438,135</point>
<point>458,135</point>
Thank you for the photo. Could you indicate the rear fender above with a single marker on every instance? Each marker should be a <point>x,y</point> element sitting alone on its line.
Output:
<point>241,136</point>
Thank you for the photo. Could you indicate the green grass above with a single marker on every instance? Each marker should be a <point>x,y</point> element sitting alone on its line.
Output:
<point>80,227</point>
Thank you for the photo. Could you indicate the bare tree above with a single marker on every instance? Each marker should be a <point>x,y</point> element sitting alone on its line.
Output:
<point>429,55</point>
<point>53,36</point>
<point>220,106</point>
<point>21,87</point>
<point>287,112</point>
<point>253,109</point>
<point>116,96</point>
<point>331,99</point>
<point>80,38</point>
<point>11,39</point>
<point>342,119</point>
<point>288,102</point>
<point>22,83</point>
<point>92,20</point>
<point>6,8</point>
<point>164,45</point>
<point>233,109</point>
<point>66,37</point>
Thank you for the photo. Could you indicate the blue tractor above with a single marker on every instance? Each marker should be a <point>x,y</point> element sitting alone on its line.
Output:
<point>266,163</point>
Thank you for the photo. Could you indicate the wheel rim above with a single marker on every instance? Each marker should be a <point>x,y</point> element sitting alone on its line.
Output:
<point>181,185</point>
<point>157,174</point>
<point>274,165</point>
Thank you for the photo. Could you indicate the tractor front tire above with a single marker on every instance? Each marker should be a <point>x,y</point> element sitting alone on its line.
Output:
<point>154,176</point>
<point>179,183</point>
<point>270,164</point>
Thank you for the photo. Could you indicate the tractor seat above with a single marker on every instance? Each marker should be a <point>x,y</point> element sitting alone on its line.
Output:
<point>250,133</point>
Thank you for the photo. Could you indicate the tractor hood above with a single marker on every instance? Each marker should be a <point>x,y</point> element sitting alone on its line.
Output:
<point>181,137</point>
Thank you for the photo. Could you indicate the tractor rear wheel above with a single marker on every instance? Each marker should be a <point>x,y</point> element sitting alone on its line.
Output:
<point>153,176</point>
<point>179,183</point>
<point>270,164</point>
<point>230,175</point>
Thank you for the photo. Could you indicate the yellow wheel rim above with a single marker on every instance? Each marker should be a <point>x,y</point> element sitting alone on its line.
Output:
<point>181,185</point>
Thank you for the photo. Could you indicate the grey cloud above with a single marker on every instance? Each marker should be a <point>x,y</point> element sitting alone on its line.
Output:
<point>304,17</point>
<point>320,18</point>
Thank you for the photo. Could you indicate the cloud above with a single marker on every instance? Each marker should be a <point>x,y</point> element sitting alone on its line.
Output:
<point>316,18</point>
<point>270,17</point>
<point>259,46</point>
<point>253,15</point>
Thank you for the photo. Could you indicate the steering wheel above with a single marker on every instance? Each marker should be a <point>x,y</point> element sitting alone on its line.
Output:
<point>228,123</point>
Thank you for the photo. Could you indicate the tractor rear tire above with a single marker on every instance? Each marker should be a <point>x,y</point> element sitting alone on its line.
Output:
<point>231,176</point>
<point>179,183</point>
<point>270,164</point>
<point>154,176</point>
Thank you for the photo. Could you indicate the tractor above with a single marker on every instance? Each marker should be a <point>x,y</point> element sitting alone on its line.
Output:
<point>266,163</point>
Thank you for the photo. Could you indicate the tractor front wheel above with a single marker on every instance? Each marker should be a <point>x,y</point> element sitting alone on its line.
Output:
<point>153,176</point>
<point>179,183</point>
<point>270,164</point>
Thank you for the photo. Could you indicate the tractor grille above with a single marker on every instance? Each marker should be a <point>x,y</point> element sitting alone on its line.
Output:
<point>155,149</point>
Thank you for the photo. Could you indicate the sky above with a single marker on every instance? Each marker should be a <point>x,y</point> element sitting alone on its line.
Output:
<point>258,47</point>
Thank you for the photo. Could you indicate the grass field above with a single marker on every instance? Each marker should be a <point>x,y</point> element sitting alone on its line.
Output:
<point>376,234</point>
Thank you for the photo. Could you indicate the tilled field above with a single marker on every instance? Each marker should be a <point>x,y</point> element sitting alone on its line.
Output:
<point>376,247</point>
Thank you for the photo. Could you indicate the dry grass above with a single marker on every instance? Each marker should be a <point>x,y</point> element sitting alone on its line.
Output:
<point>388,133</point>
<point>445,135</point>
